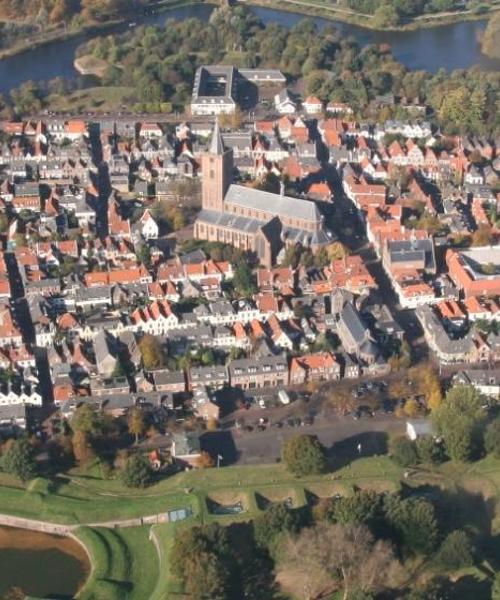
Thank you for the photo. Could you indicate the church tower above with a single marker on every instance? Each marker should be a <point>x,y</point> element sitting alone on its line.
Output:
<point>217,172</point>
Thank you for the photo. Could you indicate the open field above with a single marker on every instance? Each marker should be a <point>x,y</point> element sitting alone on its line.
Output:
<point>95,99</point>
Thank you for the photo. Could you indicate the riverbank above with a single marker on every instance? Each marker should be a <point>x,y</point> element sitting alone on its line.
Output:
<point>94,29</point>
<point>316,8</point>
<point>89,65</point>
<point>312,8</point>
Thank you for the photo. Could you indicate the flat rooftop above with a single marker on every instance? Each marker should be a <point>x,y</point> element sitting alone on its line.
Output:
<point>482,262</point>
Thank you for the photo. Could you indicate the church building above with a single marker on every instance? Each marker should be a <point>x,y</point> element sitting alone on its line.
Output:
<point>249,219</point>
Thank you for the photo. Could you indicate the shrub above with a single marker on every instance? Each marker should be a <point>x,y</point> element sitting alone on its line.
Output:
<point>137,472</point>
<point>304,455</point>
<point>455,552</point>
<point>404,451</point>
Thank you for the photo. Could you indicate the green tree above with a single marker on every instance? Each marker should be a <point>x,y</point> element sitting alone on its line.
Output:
<point>363,507</point>
<point>144,255</point>
<point>19,460</point>
<point>458,419</point>
<point>243,280</point>
<point>200,558</point>
<point>270,525</point>
<point>492,438</point>
<point>413,522</point>
<point>86,420</point>
<point>491,38</point>
<point>455,552</point>
<point>385,16</point>
<point>304,455</point>
<point>403,451</point>
<point>137,472</point>
<point>429,451</point>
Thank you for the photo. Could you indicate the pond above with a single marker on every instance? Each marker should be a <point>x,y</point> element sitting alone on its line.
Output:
<point>454,46</point>
<point>41,564</point>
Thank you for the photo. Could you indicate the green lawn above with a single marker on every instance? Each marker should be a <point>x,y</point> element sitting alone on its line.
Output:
<point>84,499</point>
<point>125,563</point>
<point>96,99</point>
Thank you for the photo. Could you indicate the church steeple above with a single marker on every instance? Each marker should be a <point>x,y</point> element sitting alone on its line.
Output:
<point>217,172</point>
<point>217,145</point>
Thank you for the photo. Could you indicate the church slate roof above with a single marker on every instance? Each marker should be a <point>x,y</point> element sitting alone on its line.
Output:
<point>276,204</point>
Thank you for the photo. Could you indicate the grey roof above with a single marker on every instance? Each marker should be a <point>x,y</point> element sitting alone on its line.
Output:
<point>103,346</point>
<point>260,75</point>
<point>262,365</point>
<point>207,374</point>
<point>410,250</point>
<point>164,377</point>
<point>217,145</point>
<point>273,203</point>
<point>213,217</point>
<point>202,81</point>
<point>438,336</point>
<point>482,377</point>
<point>354,323</point>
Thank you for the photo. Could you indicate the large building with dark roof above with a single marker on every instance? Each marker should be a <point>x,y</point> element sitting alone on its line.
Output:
<point>250,219</point>
<point>216,87</point>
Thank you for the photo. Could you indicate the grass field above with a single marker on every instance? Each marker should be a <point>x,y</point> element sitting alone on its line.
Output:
<point>125,563</point>
<point>95,99</point>
<point>129,565</point>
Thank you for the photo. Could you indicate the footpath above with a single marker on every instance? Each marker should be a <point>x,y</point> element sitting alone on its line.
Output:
<point>60,529</point>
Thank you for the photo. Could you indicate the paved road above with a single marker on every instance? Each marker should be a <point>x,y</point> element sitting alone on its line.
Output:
<point>341,437</point>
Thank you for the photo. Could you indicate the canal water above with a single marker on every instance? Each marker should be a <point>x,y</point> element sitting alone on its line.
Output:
<point>40,564</point>
<point>454,46</point>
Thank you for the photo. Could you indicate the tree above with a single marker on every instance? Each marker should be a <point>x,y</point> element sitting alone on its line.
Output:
<point>153,356</point>
<point>243,280</point>
<point>413,522</point>
<point>275,521</point>
<point>339,554</point>
<point>19,460</point>
<point>403,451</point>
<point>85,419</point>
<point>492,438</point>
<point>82,448</point>
<point>483,236</point>
<point>137,472</point>
<point>363,507</point>
<point>135,422</point>
<point>429,451</point>
<point>205,461</point>
<point>304,455</point>
<point>458,419</point>
<point>200,558</point>
<point>385,16</point>
<point>144,255</point>
<point>455,552</point>
<point>490,43</point>
<point>61,12</point>
<point>495,590</point>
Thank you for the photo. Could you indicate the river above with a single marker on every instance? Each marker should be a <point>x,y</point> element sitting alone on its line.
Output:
<point>454,46</point>
<point>40,564</point>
